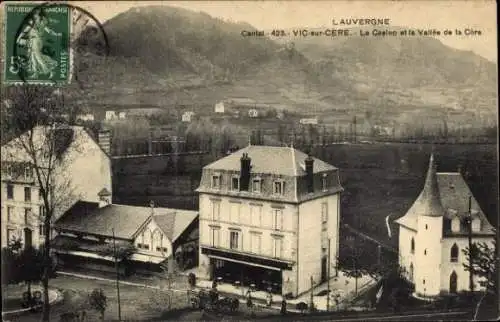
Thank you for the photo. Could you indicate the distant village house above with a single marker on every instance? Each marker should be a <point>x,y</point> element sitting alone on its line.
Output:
<point>219,107</point>
<point>312,121</point>
<point>187,116</point>
<point>253,113</point>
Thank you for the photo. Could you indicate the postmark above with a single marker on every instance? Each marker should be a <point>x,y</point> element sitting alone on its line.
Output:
<point>67,50</point>
<point>37,43</point>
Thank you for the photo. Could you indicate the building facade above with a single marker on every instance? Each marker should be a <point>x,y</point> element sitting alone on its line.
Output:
<point>21,205</point>
<point>82,171</point>
<point>266,217</point>
<point>435,230</point>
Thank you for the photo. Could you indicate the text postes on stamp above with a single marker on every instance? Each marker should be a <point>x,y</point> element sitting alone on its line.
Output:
<point>37,43</point>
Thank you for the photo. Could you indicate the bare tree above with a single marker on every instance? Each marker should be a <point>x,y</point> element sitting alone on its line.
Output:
<point>37,121</point>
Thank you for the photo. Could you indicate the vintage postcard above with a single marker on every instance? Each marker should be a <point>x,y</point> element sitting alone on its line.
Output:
<point>246,160</point>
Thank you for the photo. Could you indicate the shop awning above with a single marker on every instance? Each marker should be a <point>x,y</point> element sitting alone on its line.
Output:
<point>87,255</point>
<point>245,263</point>
<point>146,258</point>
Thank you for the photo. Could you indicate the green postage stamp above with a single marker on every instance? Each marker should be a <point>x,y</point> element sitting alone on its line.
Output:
<point>37,43</point>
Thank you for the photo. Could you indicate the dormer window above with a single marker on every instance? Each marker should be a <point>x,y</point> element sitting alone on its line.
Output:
<point>235,183</point>
<point>279,187</point>
<point>28,172</point>
<point>324,182</point>
<point>216,181</point>
<point>257,185</point>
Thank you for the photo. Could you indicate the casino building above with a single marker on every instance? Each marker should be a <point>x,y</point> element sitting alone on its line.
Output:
<point>266,217</point>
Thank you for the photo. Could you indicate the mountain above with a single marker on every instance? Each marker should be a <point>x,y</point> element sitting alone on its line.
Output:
<point>164,56</point>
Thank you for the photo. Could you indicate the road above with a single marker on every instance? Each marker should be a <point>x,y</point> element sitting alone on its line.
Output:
<point>362,316</point>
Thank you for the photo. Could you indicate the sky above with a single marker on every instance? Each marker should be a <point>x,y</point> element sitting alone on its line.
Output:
<point>440,15</point>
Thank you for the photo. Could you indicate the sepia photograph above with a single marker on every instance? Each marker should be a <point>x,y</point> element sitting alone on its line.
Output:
<point>249,160</point>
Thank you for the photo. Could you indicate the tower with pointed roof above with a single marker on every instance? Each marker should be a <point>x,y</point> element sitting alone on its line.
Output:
<point>429,212</point>
<point>433,233</point>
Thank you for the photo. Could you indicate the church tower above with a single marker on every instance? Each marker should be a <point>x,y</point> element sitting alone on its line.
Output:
<point>429,213</point>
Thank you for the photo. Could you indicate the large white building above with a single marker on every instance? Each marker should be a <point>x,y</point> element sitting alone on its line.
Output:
<point>266,217</point>
<point>435,230</point>
<point>83,170</point>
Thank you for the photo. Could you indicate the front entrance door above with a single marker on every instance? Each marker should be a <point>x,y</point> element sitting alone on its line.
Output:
<point>28,238</point>
<point>453,282</point>
<point>324,269</point>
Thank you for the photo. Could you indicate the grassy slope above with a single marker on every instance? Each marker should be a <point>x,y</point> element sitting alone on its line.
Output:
<point>163,56</point>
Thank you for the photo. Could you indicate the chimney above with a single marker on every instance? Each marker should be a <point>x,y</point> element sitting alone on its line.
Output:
<point>245,172</point>
<point>104,140</point>
<point>309,163</point>
<point>104,197</point>
<point>152,205</point>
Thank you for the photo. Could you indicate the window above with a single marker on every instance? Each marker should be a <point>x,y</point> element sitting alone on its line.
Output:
<point>41,211</point>
<point>426,227</point>
<point>28,172</point>
<point>277,247</point>
<point>324,183</point>
<point>256,185</point>
<point>233,239</point>
<point>235,184</point>
<point>279,188</point>
<point>412,246</point>
<point>423,281</point>
<point>27,194</point>
<point>255,215</point>
<point>324,212</point>
<point>425,251</point>
<point>215,237</point>
<point>10,213</point>
<point>277,219</point>
<point>215,209</point>
<point>255,243</point>
<point>454,253</point>
<point>41,230</point>
<point>10,191</point>
<point>216,182</point>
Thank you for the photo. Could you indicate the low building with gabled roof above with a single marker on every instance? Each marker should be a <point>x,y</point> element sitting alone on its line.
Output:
<point>156,237</point>
<point>435,230</point>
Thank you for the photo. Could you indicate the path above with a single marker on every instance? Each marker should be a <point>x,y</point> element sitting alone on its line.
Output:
<point>388,226</point>
<point>363,235</point>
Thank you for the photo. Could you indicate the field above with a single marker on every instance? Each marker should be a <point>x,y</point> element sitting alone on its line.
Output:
<point>379,179</point>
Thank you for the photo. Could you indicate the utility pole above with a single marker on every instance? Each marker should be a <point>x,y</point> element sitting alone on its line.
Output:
<point>312,300</point>
<point>117,277</point>
<point>328,279</point>
<point>469,222</point>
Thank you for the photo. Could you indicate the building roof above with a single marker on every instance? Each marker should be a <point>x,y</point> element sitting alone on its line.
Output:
<point>174,222</point>
<point>446,195</point>
<point>66,135</point>
<point>87,217</point>
<point>270,159</point>
<point>455,194</point>
<point>428,202</point>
